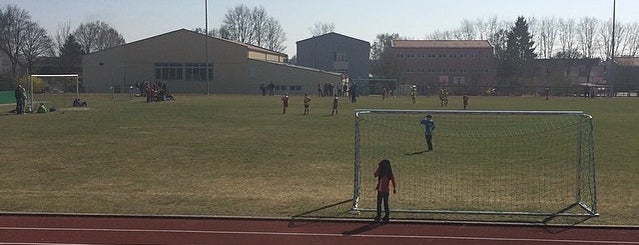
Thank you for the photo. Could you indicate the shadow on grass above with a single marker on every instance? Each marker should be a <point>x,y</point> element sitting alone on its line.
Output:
<point>415,153</point>
<point>314,215</point>
<point>567,222</point>
<point>362,229</point>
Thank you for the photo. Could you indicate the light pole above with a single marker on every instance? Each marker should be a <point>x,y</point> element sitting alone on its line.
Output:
<point>612,58</point>
<point>206,44</point>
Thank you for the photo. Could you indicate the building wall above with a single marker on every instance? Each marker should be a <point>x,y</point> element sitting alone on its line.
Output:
<point>567,72</point>
<point>288,78</point>
<point>236,67</point>
<point>335,52</point>
<point>445,66</point>
<point>125,65</point>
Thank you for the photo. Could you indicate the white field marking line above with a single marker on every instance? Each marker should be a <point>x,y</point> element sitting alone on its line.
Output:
<point>302,234</point>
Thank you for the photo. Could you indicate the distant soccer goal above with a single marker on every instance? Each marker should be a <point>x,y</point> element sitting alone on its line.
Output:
<point>60,85</point>
<point>483,162</point>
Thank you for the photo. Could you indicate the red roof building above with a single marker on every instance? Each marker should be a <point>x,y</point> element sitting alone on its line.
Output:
<point>443,63</point>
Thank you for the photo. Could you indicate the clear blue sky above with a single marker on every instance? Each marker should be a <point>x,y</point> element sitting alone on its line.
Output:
<point>362,19</point>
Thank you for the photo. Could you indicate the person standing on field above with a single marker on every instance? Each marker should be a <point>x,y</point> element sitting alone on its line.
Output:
<point>465,100</point>
<point>429,129</point>
<point>335,103</point>
<point>307,104</point>
<point>384,174</point>
<point>413,94</point>
<point>353,92</point>
<point>284,103</point>
<point>21,98</point>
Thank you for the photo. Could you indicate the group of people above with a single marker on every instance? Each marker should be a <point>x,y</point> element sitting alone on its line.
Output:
<point>270,87</point>
<point>79,103</point>
<point>443,98</point>
<point>307,104</point>
<point>154,91</point>
<point>328,89</point>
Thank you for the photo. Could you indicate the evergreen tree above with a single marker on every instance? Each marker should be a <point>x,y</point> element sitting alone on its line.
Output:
<point>71,55</point>
<point>382,60</point>
<point>516,63</point>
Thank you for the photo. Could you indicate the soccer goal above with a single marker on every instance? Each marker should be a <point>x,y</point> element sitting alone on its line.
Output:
<point>483,162</point>
<point>74,77</point>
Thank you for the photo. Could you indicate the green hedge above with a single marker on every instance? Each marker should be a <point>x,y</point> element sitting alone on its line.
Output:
<point>7,97</point>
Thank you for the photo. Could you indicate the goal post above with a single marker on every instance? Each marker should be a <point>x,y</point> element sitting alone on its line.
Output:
<point>484,162</point>
<point>77,84</point>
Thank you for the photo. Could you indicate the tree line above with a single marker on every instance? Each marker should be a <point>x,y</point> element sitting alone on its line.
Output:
<point>24,42</point>
<point>518,43</point>
<point>554,37</point>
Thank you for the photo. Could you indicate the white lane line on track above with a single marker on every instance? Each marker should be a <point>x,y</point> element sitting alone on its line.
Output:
<point>302,234</point>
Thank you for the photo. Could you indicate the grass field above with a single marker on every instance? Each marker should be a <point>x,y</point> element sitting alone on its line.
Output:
<point>238,155</point>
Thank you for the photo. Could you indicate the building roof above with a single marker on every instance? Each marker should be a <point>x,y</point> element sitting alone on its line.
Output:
<point>248,46</point>
<point>441,44</point>
<point>627,61</point>
<point>332,34</point>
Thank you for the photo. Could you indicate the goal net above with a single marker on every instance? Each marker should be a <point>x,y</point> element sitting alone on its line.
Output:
<point>56,84</point>
<point>483,162</point>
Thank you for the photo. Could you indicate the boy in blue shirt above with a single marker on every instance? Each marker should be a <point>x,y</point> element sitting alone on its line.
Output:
<point>430,127</point>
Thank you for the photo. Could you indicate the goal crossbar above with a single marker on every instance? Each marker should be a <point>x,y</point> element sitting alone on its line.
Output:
<point>77,83</point>
<point>388,136</point>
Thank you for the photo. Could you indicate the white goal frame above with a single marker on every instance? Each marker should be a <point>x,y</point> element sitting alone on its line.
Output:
<point>77,84</point>
<point>588,208</point>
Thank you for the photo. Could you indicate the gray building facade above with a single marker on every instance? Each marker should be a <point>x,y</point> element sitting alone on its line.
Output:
<point>178,58</point>
<point>336,53</point>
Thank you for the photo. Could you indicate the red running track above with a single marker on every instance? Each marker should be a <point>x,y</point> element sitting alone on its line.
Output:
<point>59,229</point>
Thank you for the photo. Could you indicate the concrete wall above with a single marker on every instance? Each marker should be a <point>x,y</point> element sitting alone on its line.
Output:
<point>319,52</point>
<point>295,79</point>
<point>127,64</point>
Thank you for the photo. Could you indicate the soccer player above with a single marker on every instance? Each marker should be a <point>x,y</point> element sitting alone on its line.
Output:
<point>465,100</point>
<point>335,103</point>
<point>384,174</point>
<point>284,103</point>
<point>547,92</point>
<point>413,94</point>
<point>428,133</point>
<point>443,97</point>
<point>307,104</point>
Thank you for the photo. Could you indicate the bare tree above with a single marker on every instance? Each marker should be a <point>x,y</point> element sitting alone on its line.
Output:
<point>605,39</point>
<point>547,35</point>
<point>481,27</point>
<point>633,39</point>
<point>441,35</point>
<point>13,25</point>
<point>212,32</point>
<point>61,35</point>
<point>566,35</point>
<point>625,39</point>
<point>97,36</point>
<point>467,30</point>
<point>586,35</point>
<point>274,36</point>
<point>259,20</point>
<point>321,28</point>
<point>253,27</point>
<point>237,24</point>
<point>36,44</point>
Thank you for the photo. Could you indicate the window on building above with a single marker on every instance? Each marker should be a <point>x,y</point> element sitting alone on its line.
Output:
<point>178,71</point>
<point>169,71</point>
<point>197,71</point>
<point>340,56</point>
